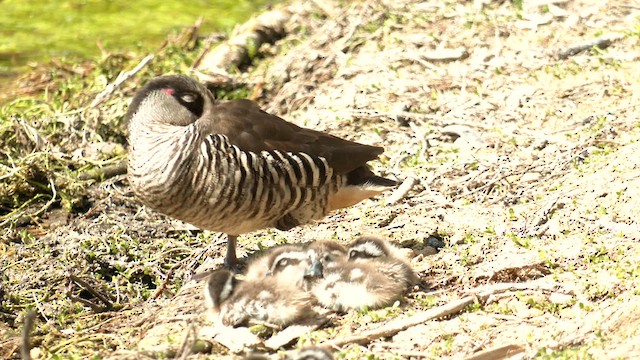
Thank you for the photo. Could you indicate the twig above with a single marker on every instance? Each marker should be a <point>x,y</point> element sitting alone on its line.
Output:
<point>500,352</point>
<point>488,290</point>
<point>106,172</point>
<point>236,340</point>
<point>541,218</point>
<point>164,284</point>
<point>398,350</point>
<point>39,307</point>
<point>185,349</point>
<point>388,115</point>
<point>445,54</point>
<point>393,327</point>
<point>233,53</point>
<point>497,180</point>
<point>25,350</point>
<point>122,77</point>
<point>402,191</point>
<point>8,315</point>
<point>33,134</point>
<point>77,340</point>
<point>602,42</point>
<point>86,286</point>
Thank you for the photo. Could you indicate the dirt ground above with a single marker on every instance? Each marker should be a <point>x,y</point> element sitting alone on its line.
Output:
<point>524,147</point>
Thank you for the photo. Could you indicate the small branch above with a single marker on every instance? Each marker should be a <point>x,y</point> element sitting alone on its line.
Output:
<point>236,340</point>
<point>122,77</point>
<point>105,172</point>
<point>602,42</point>
<point>445,54</point>
<point>367,114</point>
<point>541,218</point>
<point>393,327</point>
<point>92,291</point>
<point>25,349</point>
<point>484,292</point>
<point>237,50</point>
<point>500,352</point>
<point>402,191</point>
<point>7,316</point>
<point>185,349</point>
<point>162,286</point>
<point>39,307</point>
<point>293,332</point>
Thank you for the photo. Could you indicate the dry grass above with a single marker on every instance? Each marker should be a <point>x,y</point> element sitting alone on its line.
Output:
<point>527,168</point>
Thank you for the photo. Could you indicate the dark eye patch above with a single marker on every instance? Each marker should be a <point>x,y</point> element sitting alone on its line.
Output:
<point>188,98</point>
<point>355,254</point>
<point>283,263</point>
<point>192,101</point>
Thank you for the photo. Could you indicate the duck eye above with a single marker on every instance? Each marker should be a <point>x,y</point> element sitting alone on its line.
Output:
<point>188,98</point>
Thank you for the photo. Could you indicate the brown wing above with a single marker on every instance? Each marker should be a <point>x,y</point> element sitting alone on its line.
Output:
<point>252,129</point>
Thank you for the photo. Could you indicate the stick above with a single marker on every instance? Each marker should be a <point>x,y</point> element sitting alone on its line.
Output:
<point>454,307</point>
<point>602,42</point>
<point>484,292</point>
<point>233,53</point>
<point>445,54</point>
<point>394,327</point>
<point>25,350</point>
<point>402,191</point>
<point>162,286</point>
<point>105,172</point>
<point>86,286</point>
<point>500,352</point>
<point>122,77</point>
<point>185,349</point>
<point>542,218</point>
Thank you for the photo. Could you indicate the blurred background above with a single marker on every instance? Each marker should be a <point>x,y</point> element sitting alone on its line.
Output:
<point>35,31</point>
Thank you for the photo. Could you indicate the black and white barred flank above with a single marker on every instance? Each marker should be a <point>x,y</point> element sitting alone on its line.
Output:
<point>210,184</point>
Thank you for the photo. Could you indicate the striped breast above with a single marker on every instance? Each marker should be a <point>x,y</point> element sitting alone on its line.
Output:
<point>212,184</point>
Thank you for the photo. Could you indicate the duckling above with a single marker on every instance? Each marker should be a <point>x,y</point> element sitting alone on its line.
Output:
<point>324,256</point>
<point>389,258</point>
<point>262,265</point>
<point>276,299</point>
<point>373,276</point>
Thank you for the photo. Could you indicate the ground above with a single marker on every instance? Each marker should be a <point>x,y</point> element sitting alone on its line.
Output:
<point>526,194</point>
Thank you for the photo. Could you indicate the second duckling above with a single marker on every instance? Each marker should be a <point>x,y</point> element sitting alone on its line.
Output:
<point>373,275</point>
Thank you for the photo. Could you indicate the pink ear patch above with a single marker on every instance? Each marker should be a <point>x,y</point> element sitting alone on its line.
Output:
<point>169,91</point>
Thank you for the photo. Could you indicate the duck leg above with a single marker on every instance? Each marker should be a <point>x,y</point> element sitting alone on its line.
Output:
<point>231,261</point>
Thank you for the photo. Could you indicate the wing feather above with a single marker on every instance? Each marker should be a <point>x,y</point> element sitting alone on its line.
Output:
<point>252,129</point>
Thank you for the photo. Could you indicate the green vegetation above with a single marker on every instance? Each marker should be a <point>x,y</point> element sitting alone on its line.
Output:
<point>37,30</point>
<point>38,133</point>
